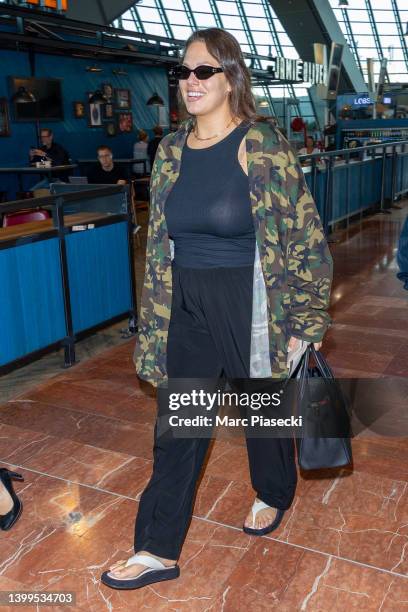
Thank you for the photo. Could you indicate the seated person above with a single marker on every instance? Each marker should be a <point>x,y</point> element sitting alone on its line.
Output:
<point>50,150</point>
<point>106,172</point>
<point>140,152</point>
<point>309,148</point>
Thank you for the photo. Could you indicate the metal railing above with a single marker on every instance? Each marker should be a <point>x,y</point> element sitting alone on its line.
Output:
<point>346,182</point>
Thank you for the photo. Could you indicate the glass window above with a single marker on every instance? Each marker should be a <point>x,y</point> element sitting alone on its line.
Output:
<point>199,5</point>
<point>396,53</point>
<point>263,39</point>
<point>181,32</point>
<point>128,24</point>
<point>240,36</point>
<point>231,22</point>
<point>227,8</point>
<point>258,23</point>
<point>177,17</point>
<point>384,17</point>
<point>155,28</point>
<point>172,4</point>
<point>358,4</point>
<point>358,16</point>
<point>290,53</point>
<point>253,10</point>
<point>285,40</point>
<point>365,41</point>
<point>148,14</point>
<point>388,42</point>
<point>204,20</point>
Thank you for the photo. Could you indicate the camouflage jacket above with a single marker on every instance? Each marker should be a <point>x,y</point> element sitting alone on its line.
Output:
<point>292,267</point>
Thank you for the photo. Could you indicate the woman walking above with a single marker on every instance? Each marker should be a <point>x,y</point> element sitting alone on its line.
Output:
<point>238,273</point>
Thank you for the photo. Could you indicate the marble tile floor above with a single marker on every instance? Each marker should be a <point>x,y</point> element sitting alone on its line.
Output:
<point>83,441</point>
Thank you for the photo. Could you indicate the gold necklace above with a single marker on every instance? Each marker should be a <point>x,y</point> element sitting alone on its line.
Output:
<point>211,137</point>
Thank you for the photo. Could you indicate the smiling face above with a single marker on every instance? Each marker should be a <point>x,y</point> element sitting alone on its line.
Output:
<point>207,96</point>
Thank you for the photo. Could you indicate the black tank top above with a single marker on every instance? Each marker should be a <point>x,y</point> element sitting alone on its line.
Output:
<point>208,210</point>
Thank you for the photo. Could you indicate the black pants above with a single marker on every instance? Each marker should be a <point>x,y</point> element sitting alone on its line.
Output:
<point>209,337</point>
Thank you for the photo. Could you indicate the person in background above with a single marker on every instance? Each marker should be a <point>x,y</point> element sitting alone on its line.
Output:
<point>309,148</point>
<point>154,143</point>
<point>49,151</point>
<point>140,152</point>
<point>106,172</point>
<point>402,255</point>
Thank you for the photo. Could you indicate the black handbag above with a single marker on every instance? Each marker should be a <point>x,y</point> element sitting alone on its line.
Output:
<point>325,441</point>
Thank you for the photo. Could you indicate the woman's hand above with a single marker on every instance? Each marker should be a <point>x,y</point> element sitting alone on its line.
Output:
<point>293,343</point>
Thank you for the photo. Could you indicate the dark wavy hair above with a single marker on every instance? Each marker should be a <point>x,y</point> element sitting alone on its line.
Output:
<point>226,50</point>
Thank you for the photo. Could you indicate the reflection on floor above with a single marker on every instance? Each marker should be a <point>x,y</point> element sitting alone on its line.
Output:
<point>83,441</point>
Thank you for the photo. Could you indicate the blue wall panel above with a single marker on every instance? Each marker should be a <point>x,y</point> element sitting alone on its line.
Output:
<point>74,134</point>
<point>99,274</point>
<point>31,299</point>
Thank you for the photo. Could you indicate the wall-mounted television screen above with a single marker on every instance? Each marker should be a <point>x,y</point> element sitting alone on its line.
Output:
<point>48,104</point>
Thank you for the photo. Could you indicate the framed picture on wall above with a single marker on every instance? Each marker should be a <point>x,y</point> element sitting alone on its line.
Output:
<point>79,110</point>
<point>110,128</point>
<point>108,111</point>
<point>122,98</point>
<point>4,118</point>
<point>125,122</point>
<point>107,91</point>
<point>94,113</point>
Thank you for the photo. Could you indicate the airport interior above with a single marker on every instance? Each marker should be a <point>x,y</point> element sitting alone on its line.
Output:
<point>108,110</point>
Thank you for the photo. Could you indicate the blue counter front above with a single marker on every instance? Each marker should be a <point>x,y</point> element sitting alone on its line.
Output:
<point>66,275</point>
<point>31,299</point>
<point>99,274</point>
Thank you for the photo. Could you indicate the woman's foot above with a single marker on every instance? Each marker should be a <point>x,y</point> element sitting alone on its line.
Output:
<point>119,570</point>
<point>138,571</point>
<point>6,501</point>
<point>10,505</point>
<point>263,517</point>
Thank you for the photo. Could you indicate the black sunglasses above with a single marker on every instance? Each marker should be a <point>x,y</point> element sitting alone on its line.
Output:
<point>202,73</point>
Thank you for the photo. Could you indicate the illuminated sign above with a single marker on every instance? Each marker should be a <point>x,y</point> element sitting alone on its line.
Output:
<point>53,4</point>
<point>362,101</point>
<point>297,71</point>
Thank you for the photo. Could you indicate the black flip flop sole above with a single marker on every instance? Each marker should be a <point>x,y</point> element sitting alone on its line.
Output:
<point>274,525</point>
<point>137,583</point>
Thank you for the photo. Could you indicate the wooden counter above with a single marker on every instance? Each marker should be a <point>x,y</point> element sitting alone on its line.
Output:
<point>36,227</point>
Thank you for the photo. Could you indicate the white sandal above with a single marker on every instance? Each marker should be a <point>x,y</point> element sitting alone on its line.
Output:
<point>155,571</point>
<point>257,506</point>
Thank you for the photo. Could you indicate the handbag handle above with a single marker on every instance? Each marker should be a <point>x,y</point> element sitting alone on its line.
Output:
<point>321,363</point>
